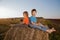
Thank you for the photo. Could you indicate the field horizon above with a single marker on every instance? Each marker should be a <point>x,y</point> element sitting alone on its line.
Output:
<point>5,22</point>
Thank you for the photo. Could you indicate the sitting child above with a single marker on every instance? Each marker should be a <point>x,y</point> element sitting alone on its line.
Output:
<point>24,21</point>
<point>34,24</point>
<point>26,18</point>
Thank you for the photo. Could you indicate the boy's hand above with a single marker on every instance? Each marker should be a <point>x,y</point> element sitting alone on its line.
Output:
<point>37,24</point>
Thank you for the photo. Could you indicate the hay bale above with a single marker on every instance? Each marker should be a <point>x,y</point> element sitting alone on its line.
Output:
<point>23,32</point>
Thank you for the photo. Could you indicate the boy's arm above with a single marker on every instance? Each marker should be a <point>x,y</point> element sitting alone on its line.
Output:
<point>34,23</point>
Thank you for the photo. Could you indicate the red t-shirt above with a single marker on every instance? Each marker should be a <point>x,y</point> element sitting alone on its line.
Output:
<point>26,20</point>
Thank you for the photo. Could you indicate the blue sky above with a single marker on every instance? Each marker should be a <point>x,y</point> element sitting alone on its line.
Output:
<point>15,8</point>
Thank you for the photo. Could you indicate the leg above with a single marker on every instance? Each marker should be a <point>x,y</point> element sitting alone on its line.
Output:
<point>33,26</point>
<point>38,27</point>
<point>42,28</point>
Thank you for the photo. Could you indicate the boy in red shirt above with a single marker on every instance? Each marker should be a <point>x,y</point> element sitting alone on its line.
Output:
<point>26,18</point>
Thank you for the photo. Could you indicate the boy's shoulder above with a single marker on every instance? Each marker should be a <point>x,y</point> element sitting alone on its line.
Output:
<point>31,17</point>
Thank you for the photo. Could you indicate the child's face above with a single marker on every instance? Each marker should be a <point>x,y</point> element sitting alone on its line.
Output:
<point>24,15</point>
<point>34,13</point>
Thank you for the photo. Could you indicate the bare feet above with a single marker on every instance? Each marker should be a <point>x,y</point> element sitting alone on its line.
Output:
<point>48,31</point>
<point>51,30</point>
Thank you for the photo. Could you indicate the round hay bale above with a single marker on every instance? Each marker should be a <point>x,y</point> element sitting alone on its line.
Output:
<point>23,32</point>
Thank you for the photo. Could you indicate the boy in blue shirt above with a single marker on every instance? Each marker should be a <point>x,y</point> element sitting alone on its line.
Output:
<point>34,24</point>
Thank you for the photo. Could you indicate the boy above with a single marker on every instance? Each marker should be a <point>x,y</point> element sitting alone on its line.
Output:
<point>39,26</point>
<point>26,18</point>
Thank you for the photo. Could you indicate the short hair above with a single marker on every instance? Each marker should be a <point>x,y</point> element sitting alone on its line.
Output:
<point>33,10</point>
<point>25,12</point>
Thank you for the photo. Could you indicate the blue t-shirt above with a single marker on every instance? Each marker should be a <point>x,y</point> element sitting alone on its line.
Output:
<point>33,19</point>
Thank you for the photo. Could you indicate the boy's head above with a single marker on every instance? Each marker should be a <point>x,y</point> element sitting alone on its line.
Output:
<point>25,14</point>
<point>33,12</point>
